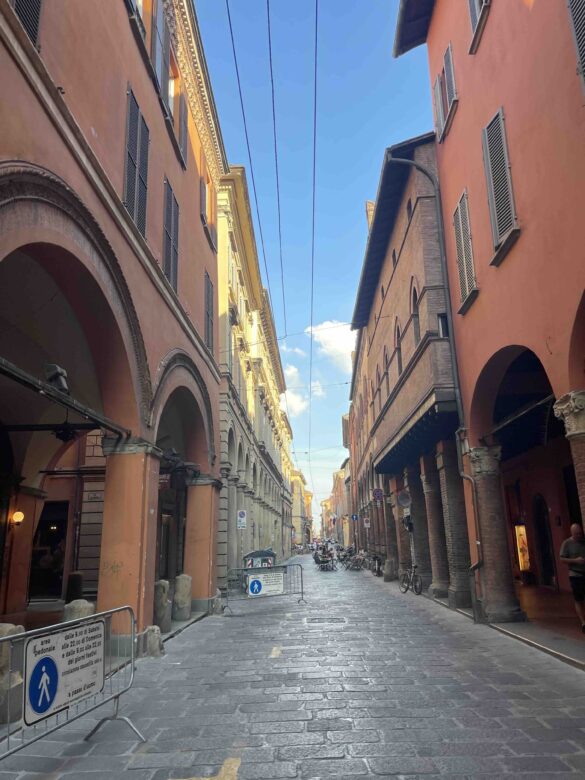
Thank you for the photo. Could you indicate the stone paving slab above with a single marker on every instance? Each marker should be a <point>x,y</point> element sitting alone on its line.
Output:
<point>361,681</point>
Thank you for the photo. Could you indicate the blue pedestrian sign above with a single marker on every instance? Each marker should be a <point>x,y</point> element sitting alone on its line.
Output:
<point>255,587</point>
<point>354,518</point>
<point>43,685</point>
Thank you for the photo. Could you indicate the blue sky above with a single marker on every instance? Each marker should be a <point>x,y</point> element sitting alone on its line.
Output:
<point>366,101</point>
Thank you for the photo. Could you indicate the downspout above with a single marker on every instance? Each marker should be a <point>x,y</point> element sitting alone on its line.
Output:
<point>460,434</point>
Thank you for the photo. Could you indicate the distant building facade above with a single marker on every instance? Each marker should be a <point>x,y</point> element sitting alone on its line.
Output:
<point>255,432</point>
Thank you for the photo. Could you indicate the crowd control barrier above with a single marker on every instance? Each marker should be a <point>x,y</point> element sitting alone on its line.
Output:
<point>52,676</point>
<point>260,583</point>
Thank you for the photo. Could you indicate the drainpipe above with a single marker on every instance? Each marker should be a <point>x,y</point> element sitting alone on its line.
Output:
<point>477,612</point>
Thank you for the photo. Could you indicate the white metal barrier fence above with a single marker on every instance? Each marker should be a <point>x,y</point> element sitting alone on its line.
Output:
<point>54,675</point>
<point>265,582</point>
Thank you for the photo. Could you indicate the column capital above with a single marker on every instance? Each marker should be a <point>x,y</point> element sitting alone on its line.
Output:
<point>233,480</point>
<point>570,408</point>
<point>485,460</point>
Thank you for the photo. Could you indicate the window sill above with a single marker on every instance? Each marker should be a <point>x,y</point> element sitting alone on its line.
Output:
<point>468,301</point>
<point>506,244</point>
<point>478,32</point>
<point>449,119</point>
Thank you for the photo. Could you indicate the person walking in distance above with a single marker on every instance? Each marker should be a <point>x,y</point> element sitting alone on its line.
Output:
<point>573,553</point>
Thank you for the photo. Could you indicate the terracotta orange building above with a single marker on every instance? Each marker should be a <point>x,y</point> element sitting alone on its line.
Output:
<point>110,156</point>
<point>508,85</point>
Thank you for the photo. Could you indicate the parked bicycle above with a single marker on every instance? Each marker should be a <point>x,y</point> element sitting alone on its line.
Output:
<point>411,580</point>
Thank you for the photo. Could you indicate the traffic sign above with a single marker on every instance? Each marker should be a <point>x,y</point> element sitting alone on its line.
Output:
<point>366,522</point>
<point>378,494</point>
<point>241,520</point>
<point>269,583</point>
<point>355,518</point>
<point>61,668</point>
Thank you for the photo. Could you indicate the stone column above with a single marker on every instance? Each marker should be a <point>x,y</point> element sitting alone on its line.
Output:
<point>500,602</point>
<point>402,535</point>
<point>223,530</point>
<point>571,409</point>
<point>437,545</point>
<point>128,546</point>
<point>234,543</point>
<point>455,520</point>
<point>418,516</point>
<point>391,563</point>
<point>200,553</point>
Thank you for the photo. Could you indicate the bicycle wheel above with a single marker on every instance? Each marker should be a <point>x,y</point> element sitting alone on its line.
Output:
<point>404,582</point>
<point>417,584</point>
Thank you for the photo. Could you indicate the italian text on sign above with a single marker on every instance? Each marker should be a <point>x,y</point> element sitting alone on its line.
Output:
<point>266,584</point>
<point>62,668</point>
<point>241,520</point>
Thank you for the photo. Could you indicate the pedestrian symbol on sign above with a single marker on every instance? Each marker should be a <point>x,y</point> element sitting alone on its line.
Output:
<point>255,587</point>
<point>43,684</point>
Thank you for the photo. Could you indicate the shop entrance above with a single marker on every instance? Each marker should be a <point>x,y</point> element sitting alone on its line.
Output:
<point>48,553</point>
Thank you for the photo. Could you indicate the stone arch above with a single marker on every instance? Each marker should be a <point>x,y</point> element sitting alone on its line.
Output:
<point>177,369</point>
<point>50,214</point>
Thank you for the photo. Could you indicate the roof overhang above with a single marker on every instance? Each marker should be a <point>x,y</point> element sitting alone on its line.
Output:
<point>414,18</point>
<point>393,181</point>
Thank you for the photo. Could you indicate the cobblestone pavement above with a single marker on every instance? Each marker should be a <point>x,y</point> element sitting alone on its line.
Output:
<point>360,682</point>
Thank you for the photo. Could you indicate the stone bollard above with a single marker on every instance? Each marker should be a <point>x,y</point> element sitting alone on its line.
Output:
<point>182,597</point>
<point>79,608</point>
<point>10,682</point>
<point>153,644</point>
<point>162,606</point>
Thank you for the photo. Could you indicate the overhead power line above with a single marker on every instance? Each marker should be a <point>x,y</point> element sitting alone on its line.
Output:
<point>227,5</point>
<point>276,166</point>
<point>313,229</point>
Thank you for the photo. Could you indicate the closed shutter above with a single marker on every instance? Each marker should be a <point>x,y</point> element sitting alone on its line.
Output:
<point>166,62</point>
<point>474,9</point>
<point>577,10</point>
<point>132,141</point>
<point>464,248</point>
<point>208,312</point>
<point>168,231</point>
<point>29,13</point>
<point>158,25</point>
<point>203,199</point>
<point>499,182</point>
<point>449,78</point>
<point>142,177</point>
<point>439,116</point>
<point>183,126</point>
<point>175,248</point>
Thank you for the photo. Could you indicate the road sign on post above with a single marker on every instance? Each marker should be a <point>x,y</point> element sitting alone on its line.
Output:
<point>355,518</point>
<point>242,520</point>
<point>378,494</point>
<point>366,522</point>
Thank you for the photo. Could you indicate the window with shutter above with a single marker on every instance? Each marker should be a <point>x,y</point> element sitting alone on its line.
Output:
<point>478,11</point>
<point>451,92</point>
<point>136,173</point>
<point>203,199</point>
<point>208,312</point>
<point>464,249</point>
<point>499,182</point>
<point>29,13</point>
<point>183,126</point>
<point>577,12</point>
<point>161,50</point>
<point>438,100</point>
<point>171,236</point>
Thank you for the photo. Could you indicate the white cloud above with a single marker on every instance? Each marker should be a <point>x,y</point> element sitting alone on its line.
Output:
<point>295,403</point>
<point>292,350</point>
<point>317,389</point>
<point>292,374</point>
<point>336,341</point>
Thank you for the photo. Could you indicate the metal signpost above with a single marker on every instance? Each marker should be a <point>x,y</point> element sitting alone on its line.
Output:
<point>62,673</point>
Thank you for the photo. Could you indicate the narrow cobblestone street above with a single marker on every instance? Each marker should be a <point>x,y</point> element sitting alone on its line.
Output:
<point>360,681</point>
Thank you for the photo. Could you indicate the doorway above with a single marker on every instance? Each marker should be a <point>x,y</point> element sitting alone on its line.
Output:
<point>540,518</point>
<point>48,553</point>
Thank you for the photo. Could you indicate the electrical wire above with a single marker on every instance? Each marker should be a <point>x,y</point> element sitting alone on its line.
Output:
<point>313,232</point>
<point>276,166</point>
<point>227,4</point>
